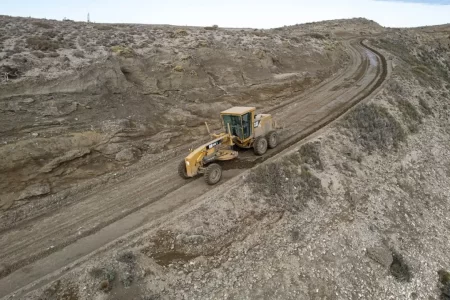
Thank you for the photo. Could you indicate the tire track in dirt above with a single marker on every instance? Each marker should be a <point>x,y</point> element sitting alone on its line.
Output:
<point>24,245</point>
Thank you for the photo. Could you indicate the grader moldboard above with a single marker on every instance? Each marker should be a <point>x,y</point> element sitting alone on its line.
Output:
<point>242,128</point>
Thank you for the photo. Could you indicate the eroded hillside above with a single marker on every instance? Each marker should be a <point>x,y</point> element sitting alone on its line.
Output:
<point>359,211</point>
<point>79,100</point>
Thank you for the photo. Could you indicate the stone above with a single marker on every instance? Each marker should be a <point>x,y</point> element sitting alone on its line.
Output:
<point>27,100</point>
<point>127,155</point>
<point>39,189</point>
<point>381,255</point>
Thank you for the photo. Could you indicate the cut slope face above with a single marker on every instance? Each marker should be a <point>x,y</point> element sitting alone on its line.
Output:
<point>79,100</point>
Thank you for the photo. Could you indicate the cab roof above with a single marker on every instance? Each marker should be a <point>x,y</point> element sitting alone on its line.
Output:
<point>238,110</point>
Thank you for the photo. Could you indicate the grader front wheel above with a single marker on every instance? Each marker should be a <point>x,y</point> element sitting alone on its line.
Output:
<point>213,173</point>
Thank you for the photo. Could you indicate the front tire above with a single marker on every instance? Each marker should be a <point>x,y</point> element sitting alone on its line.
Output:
<point>213,174</point>
<point>182,170</point>
<point>260,145</point>
<point>272,139</point>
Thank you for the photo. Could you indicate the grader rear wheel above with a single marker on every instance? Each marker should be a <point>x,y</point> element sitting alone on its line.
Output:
<point>272,138</point>
<point>213,173</point>
<point>260,145</point>
<point>182,170</point>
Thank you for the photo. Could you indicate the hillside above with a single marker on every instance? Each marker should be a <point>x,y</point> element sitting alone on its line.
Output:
<point>82,99</point>
<point>354,205</point>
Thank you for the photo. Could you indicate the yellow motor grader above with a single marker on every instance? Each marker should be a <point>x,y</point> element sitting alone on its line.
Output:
<point>243,129</point>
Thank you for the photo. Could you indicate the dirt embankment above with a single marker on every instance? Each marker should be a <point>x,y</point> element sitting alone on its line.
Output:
<point>357,212</point>
<point>79,100</point>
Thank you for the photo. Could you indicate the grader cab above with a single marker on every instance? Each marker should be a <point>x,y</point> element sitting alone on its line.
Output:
<point>243,129</point>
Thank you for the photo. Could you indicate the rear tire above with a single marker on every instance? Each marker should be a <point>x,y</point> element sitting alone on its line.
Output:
<point>182,170</point>
<point>272,139</point>
<point>260,145</point>
<point>213,173</point>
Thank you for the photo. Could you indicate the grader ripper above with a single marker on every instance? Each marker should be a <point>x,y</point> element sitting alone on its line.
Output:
<point>243,129</point>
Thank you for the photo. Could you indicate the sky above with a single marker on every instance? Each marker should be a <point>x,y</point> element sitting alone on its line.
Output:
<point>234,13</point>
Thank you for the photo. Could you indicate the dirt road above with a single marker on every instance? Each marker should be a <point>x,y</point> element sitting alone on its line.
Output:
<point>45,245</point>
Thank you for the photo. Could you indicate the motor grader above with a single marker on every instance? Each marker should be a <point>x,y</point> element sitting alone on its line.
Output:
<point>243,129</point>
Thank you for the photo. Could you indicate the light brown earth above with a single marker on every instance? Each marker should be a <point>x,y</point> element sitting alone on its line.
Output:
<point>295,226</point>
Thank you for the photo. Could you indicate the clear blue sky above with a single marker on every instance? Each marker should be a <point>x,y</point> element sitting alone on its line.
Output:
<point>234,13</point>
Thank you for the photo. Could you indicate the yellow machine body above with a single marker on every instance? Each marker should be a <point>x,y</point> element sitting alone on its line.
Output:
<point>242,127</point>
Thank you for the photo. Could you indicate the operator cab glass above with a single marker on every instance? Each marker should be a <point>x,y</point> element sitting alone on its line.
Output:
<point>235,124</point>
<point>246,125</point>
<point>240,126</point>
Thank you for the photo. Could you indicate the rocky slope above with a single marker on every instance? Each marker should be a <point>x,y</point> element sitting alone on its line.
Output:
<point>360,211</point>
<point>78,100</point>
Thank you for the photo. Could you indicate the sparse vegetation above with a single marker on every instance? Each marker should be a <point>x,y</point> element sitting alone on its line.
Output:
<point>310,154</point>
<point>122,51</point>
<point>317,36</point>
<point>214,27</point>
<point>373,127</point>
<point>178,68</point>
<point>399,268</point>
<point>426,109</point>
<point>410,113</point>
<point>78,53</point>
<point>103,27</point>
<point>42,24</point>
<point>107,277</point>
<point>287,185</point>
<point>42,43</point>
<point>38,54</point>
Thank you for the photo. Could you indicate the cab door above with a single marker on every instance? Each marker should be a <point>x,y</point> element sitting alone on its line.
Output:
<point>247,125</point>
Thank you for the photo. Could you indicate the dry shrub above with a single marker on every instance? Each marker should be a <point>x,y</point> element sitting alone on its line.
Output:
<point>103,27</point>
<point>374,128</point>
<point>426,109</point>
<point>42,43</point>
<point>286,185</point>
<point>78,53</point>
<point>214,27</point>
<point>310,154</point>
<point>317,36</point>
<point>178,69</point>
<point>42,24</point>
<point>122,51</point>
<point>410,114</point>
<point>38,54</point>
<point>399,268</point>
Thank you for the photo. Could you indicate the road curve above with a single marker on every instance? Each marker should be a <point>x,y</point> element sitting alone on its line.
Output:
<point>35,249</point>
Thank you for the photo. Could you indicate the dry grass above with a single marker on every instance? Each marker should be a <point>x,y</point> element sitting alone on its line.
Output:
<point>122,51</point>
